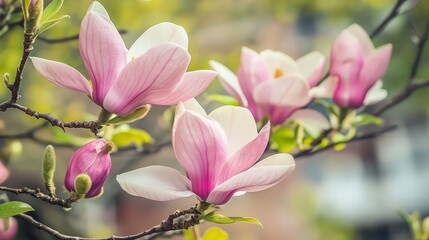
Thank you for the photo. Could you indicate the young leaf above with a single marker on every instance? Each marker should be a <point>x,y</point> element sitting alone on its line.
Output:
<point>13,208</point>
<point>215,233</point>
<point>221,219</point>
<point>283,139</point>
<point>365,119</point>
<point>126,136</point>
<point>134,116</point>
<point>51,10</point>
<point>227,100</point>
<point>49,23</point>
<point>188,233</point>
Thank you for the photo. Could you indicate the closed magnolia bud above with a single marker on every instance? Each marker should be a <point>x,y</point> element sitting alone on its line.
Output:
<point>82,184</point>
<point>93,160</point>
<point>32,14</point>
<point>49,163</point>
<point>8,228</point>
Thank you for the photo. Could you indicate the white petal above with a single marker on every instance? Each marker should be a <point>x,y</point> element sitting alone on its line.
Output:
<point>229,81</point>
<point>311,119</point>
<point>98,8</point>
<point>156,183</point>
<point>160,33</point>
<point>238,124</point>
<point>278,60</point>
<point>375,94</point>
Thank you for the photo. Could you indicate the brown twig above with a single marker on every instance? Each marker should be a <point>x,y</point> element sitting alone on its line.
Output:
<point>39,195</point>
<point>393,13</point>
<point>170,224</point>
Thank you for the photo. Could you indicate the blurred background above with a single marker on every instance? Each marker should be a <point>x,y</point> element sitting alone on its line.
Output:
<point>338,195</point>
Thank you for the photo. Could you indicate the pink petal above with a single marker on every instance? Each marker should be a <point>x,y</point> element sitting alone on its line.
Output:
<point>158,71</point>
<point>311,66</point>
<point>102,50</point>
<point>263,175</point>
<point>311,119</point>
<point>200,147</point>
<point>245,75</point>
<point>160,33</point>
<point>375,66</point>
<point>286,91</point>
<point>276,60</point>
<point>229,82</point>
<point>192,85</point>
<point>190,105</point>
<point>238,125</point>
<point>246,156</point>
<point>362,36</point>
<point>326,89</point>
<point>156,183</point>
<point>62,75</point>
<point>4,173</point>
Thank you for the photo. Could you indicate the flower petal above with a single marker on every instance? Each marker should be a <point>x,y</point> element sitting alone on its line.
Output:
<point>229,82</point>
<point>375,66</point>
<point>238,124</point>
<point>159,70</point>
<point>98,8</point>
<point>311,66</point>
<point>156,183</point>
<point>191,105</point>
<point>362,36</point>
<point>246,156</point>
<point>62,75</point>
<point>311,119</point>
<point>263,175</point>
<point>286,91</point>
<point>4,173</point>
<point>200,147</point>
<point>192,85</point>
<point>375,94</point>
<point>326,89</point>
<point>160,33</point>
<point>103,56</point>
<point>279,61</point>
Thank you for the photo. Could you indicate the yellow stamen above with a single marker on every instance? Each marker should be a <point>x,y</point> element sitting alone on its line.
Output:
<point>278,73</point>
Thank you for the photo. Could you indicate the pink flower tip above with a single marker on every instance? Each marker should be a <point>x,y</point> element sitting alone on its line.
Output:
<point>92,159</point>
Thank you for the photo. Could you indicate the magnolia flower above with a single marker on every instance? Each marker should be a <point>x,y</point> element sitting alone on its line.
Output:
<point>218,153</point>
<point>272,83</point>
<point>356,69</point>
<point>4,173</point>
<point>92,160</point>
<point>152,71</point>
<point>8,230</point>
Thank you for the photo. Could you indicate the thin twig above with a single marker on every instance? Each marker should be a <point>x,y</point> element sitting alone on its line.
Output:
<point>393,13</point>
<point>167,225</point>
<point>39,195</point>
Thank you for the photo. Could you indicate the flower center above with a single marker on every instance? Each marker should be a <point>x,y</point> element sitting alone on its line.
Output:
<point>278,73</point>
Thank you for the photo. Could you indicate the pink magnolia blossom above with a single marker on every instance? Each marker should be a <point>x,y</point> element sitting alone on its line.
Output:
<point>356,69</point>
<point>4,173</point>
<point>92,159</point>
<point>12,228</point>
<point>152,71</point>
<point>273,84</point>
<point>218,153</point>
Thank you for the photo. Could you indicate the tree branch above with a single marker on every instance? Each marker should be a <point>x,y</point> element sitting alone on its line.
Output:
<point>39,195</point>
<point>393,13</point>
<point>170,224</point>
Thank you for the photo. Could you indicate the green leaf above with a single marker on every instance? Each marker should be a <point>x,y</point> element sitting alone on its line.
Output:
<point>62,137</point>
<point>215,233</point>
<point>125,136</point>
<point>365,119</point>
<point>13,208</point>
<point>50,23</point>
<point>227,100</point>
<point>136,115</point>
<point>283,139</point>
<point>221,219</point>
<point>51,10</point>
<point>338,137</point>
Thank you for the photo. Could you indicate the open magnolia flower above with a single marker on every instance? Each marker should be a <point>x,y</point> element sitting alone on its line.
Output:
<point>356,69</point>
<point>153,71</point>
<point>272,83</point>
<point>218,153</point>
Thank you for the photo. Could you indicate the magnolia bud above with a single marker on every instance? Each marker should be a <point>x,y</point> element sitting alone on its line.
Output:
<point>82,184</point>
<point>49,163</point>
<point>32,14</point>
<point>8,228</point>
<point>93,161</point>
